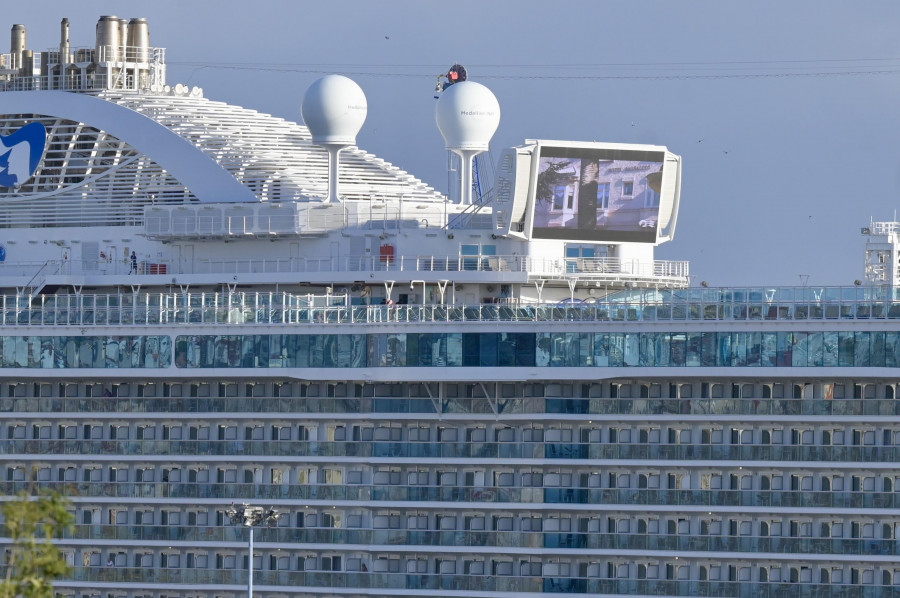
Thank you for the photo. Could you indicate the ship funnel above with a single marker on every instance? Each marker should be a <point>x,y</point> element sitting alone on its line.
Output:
<point>467,115</point>
<point>108,39</point>
<point>64,41</point>
<point>123,38</point>
<point>16,46</point>
<point>138,41</point>
<point>27,69</point>
<point>334,109</point>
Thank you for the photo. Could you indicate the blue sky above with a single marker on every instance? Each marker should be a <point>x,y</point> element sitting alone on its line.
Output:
<point>785,113</point>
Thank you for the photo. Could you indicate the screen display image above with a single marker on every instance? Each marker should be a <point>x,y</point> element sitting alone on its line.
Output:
<point>597,194</point>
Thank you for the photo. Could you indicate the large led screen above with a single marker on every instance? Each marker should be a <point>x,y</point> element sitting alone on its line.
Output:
<point>597,194</point>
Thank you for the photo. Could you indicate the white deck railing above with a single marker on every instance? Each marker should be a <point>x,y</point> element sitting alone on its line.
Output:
<point>530,268</point>
<point>282,308</point>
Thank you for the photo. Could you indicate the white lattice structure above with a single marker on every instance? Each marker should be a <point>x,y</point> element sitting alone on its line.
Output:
<point>202,151</point>
<point>882,253</point>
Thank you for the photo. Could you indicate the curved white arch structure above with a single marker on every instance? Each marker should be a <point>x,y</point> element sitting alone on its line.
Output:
<point>206,179</point>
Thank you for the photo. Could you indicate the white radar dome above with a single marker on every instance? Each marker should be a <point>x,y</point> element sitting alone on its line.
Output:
<point>334,108</point>
<point>467,115</point>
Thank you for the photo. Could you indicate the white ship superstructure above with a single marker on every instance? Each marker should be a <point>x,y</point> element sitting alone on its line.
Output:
<point>204,306</point>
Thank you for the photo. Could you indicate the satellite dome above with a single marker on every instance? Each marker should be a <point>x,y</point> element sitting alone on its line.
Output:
<point>467,115</point>
<point>334,108</point>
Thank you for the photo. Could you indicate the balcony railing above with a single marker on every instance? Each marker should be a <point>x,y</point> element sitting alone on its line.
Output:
<point>849,455</point>
<point>288,308</point>
<point>237,579</point>
<point>795,499</point>
<point>81,74</point>
<point>192,534</point>
<point>522,405</point>
<point>610,270</point>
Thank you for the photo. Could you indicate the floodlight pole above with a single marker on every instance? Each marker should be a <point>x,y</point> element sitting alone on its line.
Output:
<point>248,517</point>
<point>250,567</point>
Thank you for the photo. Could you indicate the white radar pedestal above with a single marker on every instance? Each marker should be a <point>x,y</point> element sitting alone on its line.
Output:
<point>467,115</point>
<point>334,109</point>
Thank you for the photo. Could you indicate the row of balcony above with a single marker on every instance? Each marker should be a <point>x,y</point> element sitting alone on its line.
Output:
<point>844,455</point>
<point>166,406</point>
<point>471,583</point>
<point>468,538</point>
<point>458,494</point>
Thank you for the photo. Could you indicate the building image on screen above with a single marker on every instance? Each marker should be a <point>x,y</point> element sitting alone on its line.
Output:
<point>597,194</point>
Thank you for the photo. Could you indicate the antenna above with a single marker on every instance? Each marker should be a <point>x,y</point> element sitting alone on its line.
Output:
<point>456,74</point>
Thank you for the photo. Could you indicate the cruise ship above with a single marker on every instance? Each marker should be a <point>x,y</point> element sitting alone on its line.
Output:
<point>257,358</point>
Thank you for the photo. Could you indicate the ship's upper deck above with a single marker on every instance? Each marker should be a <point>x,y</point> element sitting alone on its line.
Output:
<point>125,180</point>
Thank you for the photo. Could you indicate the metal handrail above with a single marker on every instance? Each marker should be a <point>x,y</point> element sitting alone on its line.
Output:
<point>665,271</point>
<point>249,308</point>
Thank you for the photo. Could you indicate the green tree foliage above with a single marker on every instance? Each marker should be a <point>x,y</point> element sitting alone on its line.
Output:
<point>32,560</point>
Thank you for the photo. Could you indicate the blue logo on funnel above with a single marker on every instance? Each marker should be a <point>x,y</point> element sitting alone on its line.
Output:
<point>25,148</point>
